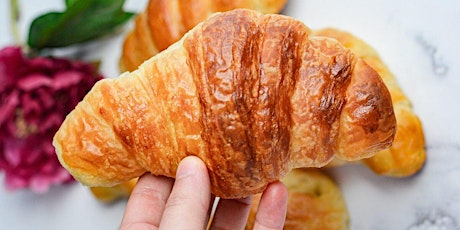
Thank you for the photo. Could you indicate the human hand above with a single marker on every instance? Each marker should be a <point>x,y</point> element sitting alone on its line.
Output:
<point>185,203</point>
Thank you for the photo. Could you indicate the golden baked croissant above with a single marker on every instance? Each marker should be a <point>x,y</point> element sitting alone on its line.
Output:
<point>252,95</point>
<point>163,22</point>
<point>314,202</point>
<point>407,154</point>
<point>109,194</point>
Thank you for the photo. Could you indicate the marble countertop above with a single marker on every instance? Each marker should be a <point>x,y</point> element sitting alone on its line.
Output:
<point>417,39</point>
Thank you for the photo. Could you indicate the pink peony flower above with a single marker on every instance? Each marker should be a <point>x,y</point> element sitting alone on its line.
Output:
<point>35,96</point>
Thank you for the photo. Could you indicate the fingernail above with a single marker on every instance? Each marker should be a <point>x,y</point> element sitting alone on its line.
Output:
<point>187,167</point>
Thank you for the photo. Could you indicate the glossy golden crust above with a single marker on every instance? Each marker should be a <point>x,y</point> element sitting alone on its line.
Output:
<point>407,155</point>
<point>314,203</point>
<point>111,194</point>
<point>165,21</point>
<point>253,100</point>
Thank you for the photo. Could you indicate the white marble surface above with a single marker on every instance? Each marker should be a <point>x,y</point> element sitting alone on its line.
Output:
<point>418,39</point>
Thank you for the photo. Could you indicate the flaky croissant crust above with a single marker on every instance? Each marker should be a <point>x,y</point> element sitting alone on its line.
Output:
<point>407,155</point>
<point>314,202</point>
<point>164,22</point>
<point>252,95</point>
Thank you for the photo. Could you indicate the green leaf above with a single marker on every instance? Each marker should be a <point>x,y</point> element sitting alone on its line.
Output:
<point>70,2</point>
<point>82,20</point>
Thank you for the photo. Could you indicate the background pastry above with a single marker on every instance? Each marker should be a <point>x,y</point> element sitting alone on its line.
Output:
<point>407,154</point>
<point>165,21</point>
<point>314,202</point>
<point>110,194</point>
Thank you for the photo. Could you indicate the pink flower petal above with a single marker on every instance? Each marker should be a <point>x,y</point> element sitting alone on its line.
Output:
<point>66,79</point>
<point>48,148</point>
<point>48,167</point>
<point>12,65</point>
<point>35,96</point>
<point>10,129</point>
<point>30,104</point>
<point>7,107</point>
<point>33,156</point>
<point>40,183</point>
<point>34,81</point>
<point>12,152</point>
<point>61,176</point>
<point>74,94</point>
<point>41,64</point>
<point>46,98</point>
<point>13,182</point>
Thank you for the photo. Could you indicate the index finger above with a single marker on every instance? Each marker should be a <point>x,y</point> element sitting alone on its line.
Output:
<point>147,202</point>
<point>189,201</point>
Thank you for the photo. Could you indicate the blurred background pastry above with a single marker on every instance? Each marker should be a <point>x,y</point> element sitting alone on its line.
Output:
<point>163,22</point>
<point>314,202</point>
<point>407,154</point>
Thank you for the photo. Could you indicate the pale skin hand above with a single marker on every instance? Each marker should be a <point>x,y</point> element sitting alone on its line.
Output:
<point>162,203</point>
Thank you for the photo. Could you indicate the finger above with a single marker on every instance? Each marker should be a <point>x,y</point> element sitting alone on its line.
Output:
<point>271,213</point>
<point>188,204</point>
<point>231,213</point>
<point>146,203</point>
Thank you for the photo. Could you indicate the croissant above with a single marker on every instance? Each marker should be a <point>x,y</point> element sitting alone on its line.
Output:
<point>314,202</point>
<point>111,194</point>
<point>164,22</point>
<point>252,95</point>
<point>407,154</point>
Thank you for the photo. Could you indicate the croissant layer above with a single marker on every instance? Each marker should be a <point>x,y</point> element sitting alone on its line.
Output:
<point>407,155</point>
<point>252,95</point>
<point>164,22</point>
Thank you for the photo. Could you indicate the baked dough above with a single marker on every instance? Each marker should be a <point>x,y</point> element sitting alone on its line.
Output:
<point>110,194</point>
<point>164,22</point>
<point>407,154</point>
<point>252,95</point>
<point>314,202</point>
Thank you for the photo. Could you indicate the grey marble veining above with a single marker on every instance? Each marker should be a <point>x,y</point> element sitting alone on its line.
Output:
<point>437,63</point>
